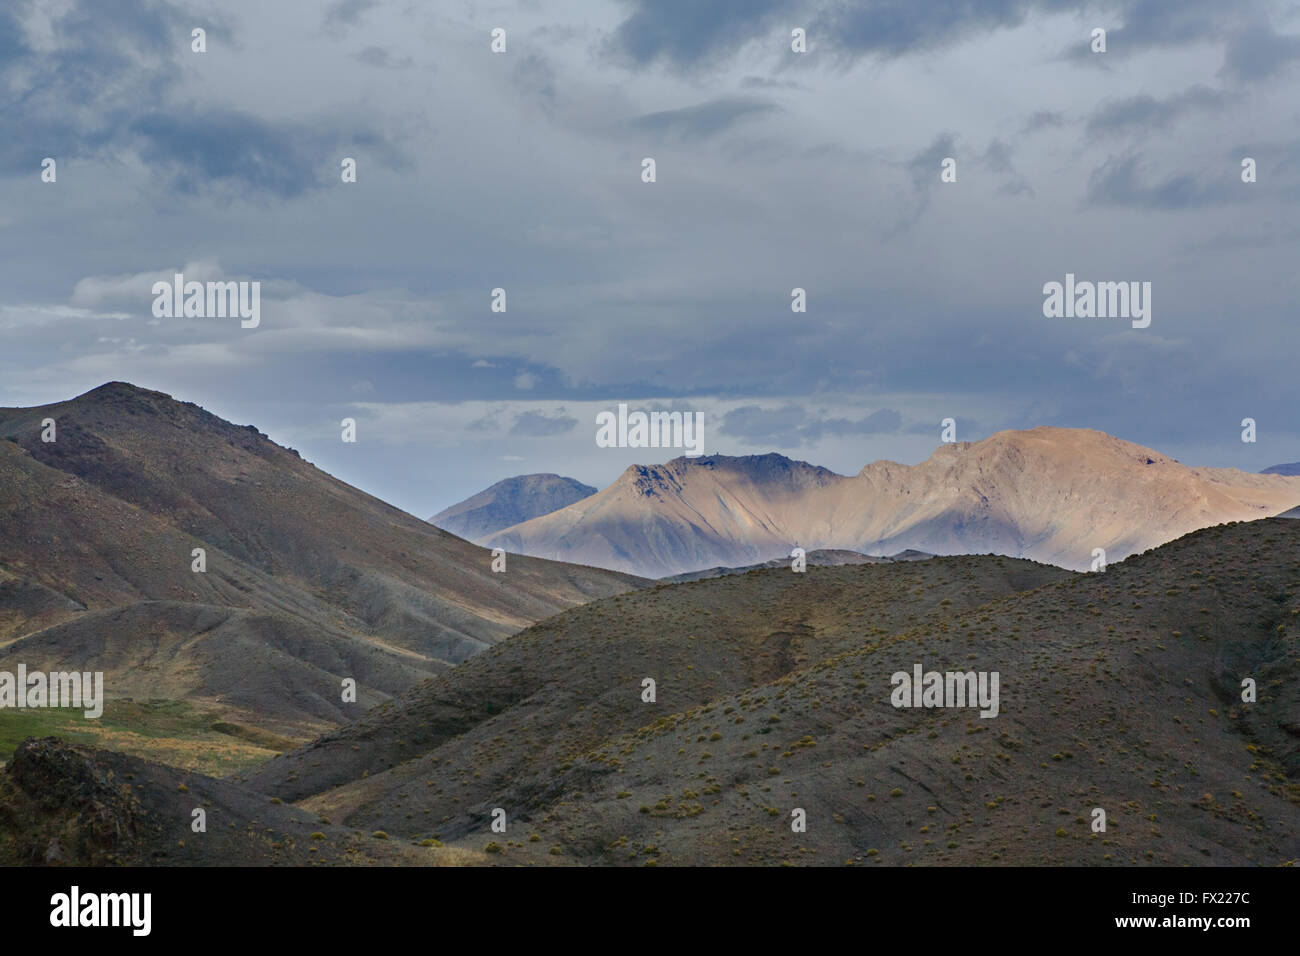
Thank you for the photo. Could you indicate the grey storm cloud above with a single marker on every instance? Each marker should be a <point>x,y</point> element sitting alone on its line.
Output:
<point>690,33</point>
<point>12,47</point>
<point>98,95</point>
<point>704,119</point>
<point>72,99</point>
<point>1042,119</point>
<point>1119,182</point>
<point>883,421</point>
<point>997,159</point>
<point>897,27</point>
<point>769,83</point>
<point>923,167</point>
<point>535,77</point>
<point>211,149</point>
<point>923,170</point>
<point>382,59</point>
<point>346,13</point>
<point>792,426</point>
<point>1162,22</point>
<point>776,171</point>
<point>1258,53</point>
<point>533,424</point>
<point>1144,112</point>
<point>687,33</point>
<point>1135,26</point>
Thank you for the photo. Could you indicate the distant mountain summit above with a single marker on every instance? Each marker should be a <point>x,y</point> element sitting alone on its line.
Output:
<point>1291,469</point>
<point>510,502</point>
<point>1050,494</point>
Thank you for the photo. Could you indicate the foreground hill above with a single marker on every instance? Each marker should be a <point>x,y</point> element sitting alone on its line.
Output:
<point>508,503</point>
<point>1049,494</point>
<point>576,678</point>
<point>61,804</point>
<point>308,580</point>
<point>1119,690</point>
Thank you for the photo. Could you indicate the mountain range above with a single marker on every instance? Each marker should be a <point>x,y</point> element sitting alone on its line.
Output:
<point>1049,494</point>
<point>612,720</point>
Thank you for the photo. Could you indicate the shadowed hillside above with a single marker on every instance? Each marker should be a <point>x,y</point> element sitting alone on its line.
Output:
<point>61,804</point>
<point>1119,690</point>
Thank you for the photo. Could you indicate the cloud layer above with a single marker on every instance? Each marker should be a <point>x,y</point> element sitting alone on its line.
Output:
<point>775,170</point>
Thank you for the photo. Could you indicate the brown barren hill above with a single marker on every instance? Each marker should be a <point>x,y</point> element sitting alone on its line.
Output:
<point>551,693</point>
<point>308,580</point>
<point>1122,691</point>
<point>1159,698</point>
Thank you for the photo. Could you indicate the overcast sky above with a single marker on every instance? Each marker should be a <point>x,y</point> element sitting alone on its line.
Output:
<point>775,170</point>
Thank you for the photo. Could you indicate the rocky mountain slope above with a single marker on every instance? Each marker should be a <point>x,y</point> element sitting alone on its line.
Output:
<point>308,581</point>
